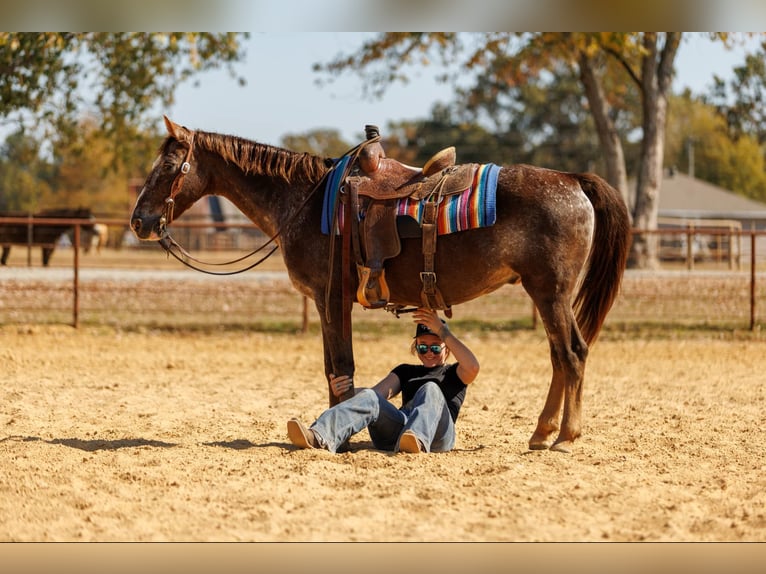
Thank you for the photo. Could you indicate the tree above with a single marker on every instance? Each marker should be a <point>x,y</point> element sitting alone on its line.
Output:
<point>544,121</point>
<point>743,102</point>
<point>23,175</point>
<point>84,174</point>
<point>647,60</point>
<point>80,173</point>
<point>505,61</point>
<point>657,54</point>
<point>695,127</point>
<point>321,142</point>
<point>416,142</point>
<point>49,80</point>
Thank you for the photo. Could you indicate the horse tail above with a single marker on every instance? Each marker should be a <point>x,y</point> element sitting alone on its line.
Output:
<point>608,256</point>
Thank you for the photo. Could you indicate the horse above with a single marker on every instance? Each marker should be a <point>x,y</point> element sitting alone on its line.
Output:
<point>97,237</point>
<point>564,237</point>
<point>43,234</point>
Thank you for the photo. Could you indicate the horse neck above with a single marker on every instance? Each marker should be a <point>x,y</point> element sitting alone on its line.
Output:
<point>266,183</point>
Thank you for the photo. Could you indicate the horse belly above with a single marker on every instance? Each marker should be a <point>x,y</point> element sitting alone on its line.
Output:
<point>467,265</point>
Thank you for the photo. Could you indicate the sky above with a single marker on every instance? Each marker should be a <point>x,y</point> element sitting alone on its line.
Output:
<point>282,94</point>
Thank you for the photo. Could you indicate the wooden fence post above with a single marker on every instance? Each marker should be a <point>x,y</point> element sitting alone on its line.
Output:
<point>76,309</point>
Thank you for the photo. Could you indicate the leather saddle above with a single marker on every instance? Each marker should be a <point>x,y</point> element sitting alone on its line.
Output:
<point>372,191</point>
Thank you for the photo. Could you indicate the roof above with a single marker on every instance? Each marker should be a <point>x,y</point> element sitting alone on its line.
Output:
<point>685,196</point>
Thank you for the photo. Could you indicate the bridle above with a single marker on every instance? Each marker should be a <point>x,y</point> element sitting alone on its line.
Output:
<point>172,247</point>
<point>167,212</point>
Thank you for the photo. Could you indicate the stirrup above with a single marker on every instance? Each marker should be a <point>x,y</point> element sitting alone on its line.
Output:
<point>373,290</point>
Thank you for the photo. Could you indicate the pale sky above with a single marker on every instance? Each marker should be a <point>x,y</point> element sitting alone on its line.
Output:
<point>282,96</point>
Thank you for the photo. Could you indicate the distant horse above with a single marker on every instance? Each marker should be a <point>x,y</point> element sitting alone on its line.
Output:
<point>97,237</point>
<point>44,235</point>
<point>553,232</point>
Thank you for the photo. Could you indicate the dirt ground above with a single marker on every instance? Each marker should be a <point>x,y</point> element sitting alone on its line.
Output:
<point>108,435</point>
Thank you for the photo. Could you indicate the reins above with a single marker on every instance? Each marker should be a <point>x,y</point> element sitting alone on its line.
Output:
<point>168,243</point>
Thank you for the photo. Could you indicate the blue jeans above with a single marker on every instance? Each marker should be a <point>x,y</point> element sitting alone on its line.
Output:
<point>426,415</point>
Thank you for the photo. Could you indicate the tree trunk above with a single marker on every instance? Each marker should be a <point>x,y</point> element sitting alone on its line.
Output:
<point>656,77</point>
<point>616,172</point>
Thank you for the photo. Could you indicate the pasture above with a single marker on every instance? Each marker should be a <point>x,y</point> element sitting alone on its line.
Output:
<point>163,418</point>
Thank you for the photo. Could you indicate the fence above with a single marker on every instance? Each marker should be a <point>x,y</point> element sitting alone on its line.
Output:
<point>721,290</point>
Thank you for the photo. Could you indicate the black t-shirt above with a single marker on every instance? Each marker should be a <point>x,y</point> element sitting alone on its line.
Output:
<point>412,377</point>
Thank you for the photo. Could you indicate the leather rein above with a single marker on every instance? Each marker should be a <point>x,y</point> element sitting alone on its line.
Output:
<point>172,247</point>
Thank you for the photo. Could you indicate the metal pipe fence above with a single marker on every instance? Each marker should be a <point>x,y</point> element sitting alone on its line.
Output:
<point>719,288</point>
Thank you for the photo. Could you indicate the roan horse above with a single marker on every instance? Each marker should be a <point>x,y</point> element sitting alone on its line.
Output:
<point>563,236</point>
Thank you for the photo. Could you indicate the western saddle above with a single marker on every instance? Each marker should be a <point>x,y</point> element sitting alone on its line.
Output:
<point>370,193</point>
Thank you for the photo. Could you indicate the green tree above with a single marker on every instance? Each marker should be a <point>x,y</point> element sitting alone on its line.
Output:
<point>321,142</point>
<point>645,58</point>
<point>23,175</point>
<point>415,142</point>
<point>83,173</point>
<point>49,80</point>
<point>79,171</point>
<point>743,101</point>
<point>695,127</point>
<point>545,119</point>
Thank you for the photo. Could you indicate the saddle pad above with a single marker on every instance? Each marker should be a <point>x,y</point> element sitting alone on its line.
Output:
<point>470,209</point>
<point>331,189</point>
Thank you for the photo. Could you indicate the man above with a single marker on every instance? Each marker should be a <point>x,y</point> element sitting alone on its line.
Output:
<point>432,394</point>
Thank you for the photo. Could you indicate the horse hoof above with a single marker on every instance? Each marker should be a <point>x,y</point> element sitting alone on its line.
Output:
<point>563,446</point>
<point>537,443</point>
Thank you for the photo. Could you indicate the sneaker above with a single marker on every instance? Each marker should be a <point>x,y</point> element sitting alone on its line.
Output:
<point>300,435</point>
<point>408,442</point>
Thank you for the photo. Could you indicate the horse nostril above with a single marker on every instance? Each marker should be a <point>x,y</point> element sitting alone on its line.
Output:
<point>135,224</point>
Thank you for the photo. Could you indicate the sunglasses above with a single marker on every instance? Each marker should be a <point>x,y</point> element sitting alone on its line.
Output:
<point>423,349</point>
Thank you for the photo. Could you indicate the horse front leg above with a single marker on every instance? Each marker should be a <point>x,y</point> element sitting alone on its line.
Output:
<point>568,355</point>
<point>338,348</point>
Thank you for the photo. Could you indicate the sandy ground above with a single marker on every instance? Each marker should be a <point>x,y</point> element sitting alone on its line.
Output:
<point>108,435</point>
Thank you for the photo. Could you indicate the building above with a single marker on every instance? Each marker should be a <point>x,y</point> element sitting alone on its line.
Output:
<point>687,204</point>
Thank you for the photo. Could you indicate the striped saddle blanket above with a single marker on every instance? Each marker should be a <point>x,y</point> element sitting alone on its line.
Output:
<point>469,209</point>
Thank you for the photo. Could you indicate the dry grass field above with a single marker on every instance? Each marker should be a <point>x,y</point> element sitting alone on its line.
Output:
<point>162,418</point>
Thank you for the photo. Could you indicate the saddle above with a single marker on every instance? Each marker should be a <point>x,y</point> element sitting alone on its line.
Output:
<point>372,189</point>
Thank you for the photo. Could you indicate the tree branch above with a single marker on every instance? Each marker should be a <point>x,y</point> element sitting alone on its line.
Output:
<point>623,62</point>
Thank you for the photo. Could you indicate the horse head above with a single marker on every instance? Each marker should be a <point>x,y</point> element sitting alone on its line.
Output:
<point>174,184</point>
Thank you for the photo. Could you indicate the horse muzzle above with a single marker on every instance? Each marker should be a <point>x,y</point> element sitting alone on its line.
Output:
<point>147,229</point>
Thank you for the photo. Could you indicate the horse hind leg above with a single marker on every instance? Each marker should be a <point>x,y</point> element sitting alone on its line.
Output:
<point>47,252</point>
<point>568,355</point>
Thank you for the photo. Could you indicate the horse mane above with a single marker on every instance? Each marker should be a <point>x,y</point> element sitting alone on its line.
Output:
<point>256,158</point>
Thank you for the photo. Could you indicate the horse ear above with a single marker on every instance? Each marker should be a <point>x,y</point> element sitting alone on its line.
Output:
<point>173,128</point>
<point>177,131</point>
